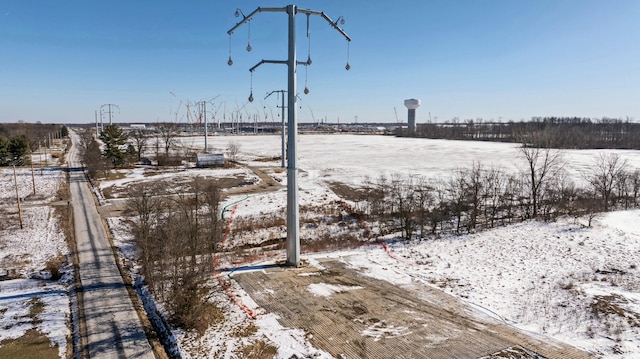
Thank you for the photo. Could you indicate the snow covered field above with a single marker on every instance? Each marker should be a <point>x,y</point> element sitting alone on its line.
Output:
<point>352,158</point>
<point>577,284</point>
<point>25,252</point>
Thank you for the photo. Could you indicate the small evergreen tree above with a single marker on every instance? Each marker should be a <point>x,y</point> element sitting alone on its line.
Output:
<point>5,155</point>
<point>19,148</point>
<point>114,139</point>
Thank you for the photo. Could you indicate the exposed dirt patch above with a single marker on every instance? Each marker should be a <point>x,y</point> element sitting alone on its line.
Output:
<point>266,184</point>
<point>605,305</point>
<point>269,159</point>
<point>350,315</point>
<point>348,193</point>
<point>32,344</point>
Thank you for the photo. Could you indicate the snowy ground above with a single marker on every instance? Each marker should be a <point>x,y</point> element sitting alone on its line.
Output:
<point>24,253</point>
<point>577,284</point>
<point>353,158</point>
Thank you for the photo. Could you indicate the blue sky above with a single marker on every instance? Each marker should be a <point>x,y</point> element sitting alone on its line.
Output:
<point>490,59</point>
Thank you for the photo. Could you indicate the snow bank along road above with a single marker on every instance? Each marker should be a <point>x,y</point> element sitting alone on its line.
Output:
<point>113,329</point>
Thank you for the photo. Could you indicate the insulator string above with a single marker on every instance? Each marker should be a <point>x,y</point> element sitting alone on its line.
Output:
<point>251,88</point>
<point>249,37</point>
<point>230,62</point>
<point>347,67</point>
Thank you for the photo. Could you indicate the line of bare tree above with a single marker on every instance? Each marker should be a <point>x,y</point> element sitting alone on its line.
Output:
<point>555,132</point>
<point>479,198</point>
<point>177,237</point>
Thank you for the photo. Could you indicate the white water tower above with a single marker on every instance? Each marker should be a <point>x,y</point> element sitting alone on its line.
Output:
<point>412,104</point>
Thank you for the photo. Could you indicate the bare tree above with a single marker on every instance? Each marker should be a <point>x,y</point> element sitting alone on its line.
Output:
<point>167,132</point>
<point>144,207</point>
<point>543,164</point>
<point>457,198</point>
<point>403,198</point>
<point>139,141</point>
<point>493,194</point>
<point>475,186</point>
<point>424,203</point>
<point>234,149</point>
<point>86,138</point>
<point>608,170</point>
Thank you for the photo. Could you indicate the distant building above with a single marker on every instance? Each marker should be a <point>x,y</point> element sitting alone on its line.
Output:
<point>209,159</point>
<point>138,126</point>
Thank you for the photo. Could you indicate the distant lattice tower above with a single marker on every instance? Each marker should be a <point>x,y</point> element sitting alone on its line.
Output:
<point>412,104</point>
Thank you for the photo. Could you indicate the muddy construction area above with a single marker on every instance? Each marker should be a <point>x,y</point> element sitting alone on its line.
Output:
<point>350,315</point>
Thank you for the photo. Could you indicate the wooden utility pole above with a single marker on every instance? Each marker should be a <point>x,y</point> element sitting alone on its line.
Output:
<point>33,177</point>
<point>15,180</point>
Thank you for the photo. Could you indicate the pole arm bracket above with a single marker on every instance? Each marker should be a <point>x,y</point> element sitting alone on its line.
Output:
<point>267,62</point>
<point>274,91</point>
<point>254,13</point>
<point>331,22</point>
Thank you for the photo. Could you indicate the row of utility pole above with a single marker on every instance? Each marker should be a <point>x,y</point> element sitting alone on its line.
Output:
<point>33,181</point>
<point>106,109</point>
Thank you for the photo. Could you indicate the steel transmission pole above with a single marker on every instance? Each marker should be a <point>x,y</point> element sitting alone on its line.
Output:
<point>109,111</point>
<point>293,214</point>
<point>283,130</point>
<point>206,130</point>
<point>293,219</point>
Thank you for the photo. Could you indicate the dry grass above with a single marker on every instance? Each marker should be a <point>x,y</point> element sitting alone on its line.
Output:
<point>245,331</point>
<point>258,350</point>
<point>613,305</point>
<point>32,344</point>
<point>36,307</point>
<point>254,223</point>
<point>269,159</point>
<point>54,265</point>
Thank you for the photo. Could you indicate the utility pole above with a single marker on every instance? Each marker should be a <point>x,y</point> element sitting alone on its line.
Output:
<point>203,108</point>
<point>282,130</point>
<point>96,115</point>
<point>33,176</point>
<point>293,220</point>
<point>109,111</point>
<point>15,180</point>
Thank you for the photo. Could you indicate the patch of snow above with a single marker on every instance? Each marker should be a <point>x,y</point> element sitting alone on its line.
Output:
<point>15,297</point>
<point>381,330</point>
<point>327,290</point>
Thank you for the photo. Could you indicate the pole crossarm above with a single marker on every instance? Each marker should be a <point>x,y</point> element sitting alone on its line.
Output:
<point>284,9</point>
<point>254,13</point>
<point>324,16</point>
<point>274,91</point>
<point>284,62</point>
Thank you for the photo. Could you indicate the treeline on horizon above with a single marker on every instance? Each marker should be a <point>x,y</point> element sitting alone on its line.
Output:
<point>17,140</point>
<point>548,132</point>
